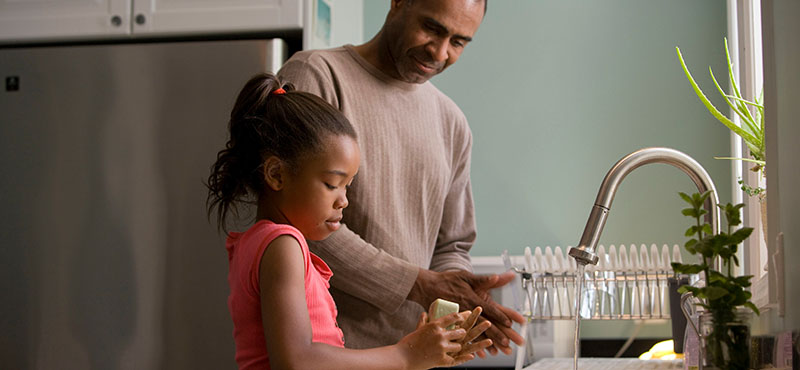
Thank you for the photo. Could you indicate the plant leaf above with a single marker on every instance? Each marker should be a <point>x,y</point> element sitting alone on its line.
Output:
<point>753,307</point>
<point>743,281</point>
<point>716,277</point>
<point>739,108</point>
<point>740,235</point>
<point>703,197</point>
<point>714,293</point>
<point>754,104</point>
<point>691,212</point>
<point>685,197</point>
<point>756,161</point>
<point>686,268</point>
<point>711,108</point>
<point>730,69</point>
<point>697,292</point>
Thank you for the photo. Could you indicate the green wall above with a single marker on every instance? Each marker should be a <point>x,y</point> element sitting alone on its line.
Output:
<point>556,91</point>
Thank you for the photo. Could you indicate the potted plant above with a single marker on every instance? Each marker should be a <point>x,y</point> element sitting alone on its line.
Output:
<point>751,114</point>
<point>724,329</point>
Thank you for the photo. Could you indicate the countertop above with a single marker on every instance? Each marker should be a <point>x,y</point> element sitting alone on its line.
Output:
<point>604,363</point>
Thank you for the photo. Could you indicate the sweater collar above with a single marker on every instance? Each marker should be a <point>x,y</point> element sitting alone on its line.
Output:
<point>380,74</point>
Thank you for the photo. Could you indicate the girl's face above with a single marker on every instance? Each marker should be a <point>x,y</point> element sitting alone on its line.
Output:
<point>314,195</point>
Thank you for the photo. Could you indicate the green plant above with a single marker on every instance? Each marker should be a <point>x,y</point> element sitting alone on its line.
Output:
<point>723,293</point>
<point>752,128</point>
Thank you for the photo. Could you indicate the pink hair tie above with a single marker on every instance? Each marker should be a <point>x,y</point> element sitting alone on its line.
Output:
<point>279,91</point>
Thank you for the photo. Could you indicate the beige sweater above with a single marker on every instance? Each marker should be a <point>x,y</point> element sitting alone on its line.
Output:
<point>411,202</point>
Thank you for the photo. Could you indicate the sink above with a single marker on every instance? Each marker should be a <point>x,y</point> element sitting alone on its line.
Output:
<point>604,363</point>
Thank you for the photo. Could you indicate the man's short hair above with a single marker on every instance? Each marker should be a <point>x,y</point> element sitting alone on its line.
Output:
<point>485,5</point>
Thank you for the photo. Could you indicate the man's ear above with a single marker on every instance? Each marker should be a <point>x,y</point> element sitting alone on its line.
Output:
<point>274,173</point>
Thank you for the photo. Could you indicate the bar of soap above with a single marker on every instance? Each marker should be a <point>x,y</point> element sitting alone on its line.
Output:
<point>441,307</point>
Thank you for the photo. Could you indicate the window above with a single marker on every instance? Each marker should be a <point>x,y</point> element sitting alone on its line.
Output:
<point>745,40</point>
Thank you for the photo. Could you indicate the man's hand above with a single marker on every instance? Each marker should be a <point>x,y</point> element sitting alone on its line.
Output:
<point>470,290</point>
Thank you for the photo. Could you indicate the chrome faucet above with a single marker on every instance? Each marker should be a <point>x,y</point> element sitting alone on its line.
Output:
<point>584,253</point>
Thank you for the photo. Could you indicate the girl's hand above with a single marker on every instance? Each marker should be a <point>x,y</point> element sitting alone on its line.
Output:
<point>468,348</point>
<point>432,345</point>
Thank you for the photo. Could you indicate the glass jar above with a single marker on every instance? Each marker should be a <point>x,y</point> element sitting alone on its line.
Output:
<point>725,340</point>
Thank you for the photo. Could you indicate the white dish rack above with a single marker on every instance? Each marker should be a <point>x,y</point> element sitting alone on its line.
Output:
<point>628,283</point>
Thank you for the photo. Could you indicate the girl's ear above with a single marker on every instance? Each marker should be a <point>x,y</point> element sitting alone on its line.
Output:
<point>274,173</point>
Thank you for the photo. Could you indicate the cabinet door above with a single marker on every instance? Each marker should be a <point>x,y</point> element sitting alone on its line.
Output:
<point>176,17</point>
<point>42,20</point>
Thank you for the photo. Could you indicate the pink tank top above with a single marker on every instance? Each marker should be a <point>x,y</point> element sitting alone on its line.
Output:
<point>244,257</point>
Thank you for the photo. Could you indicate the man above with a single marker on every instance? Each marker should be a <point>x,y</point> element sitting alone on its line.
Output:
<point>410,224</point>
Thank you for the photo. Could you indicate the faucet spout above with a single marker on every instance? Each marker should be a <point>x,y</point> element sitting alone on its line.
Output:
<point>584,253</point>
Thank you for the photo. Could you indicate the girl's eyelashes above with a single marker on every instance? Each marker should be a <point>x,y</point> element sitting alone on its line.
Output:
<point>334,187</point>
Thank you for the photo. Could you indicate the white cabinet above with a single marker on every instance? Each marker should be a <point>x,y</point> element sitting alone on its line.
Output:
<point>211,16</point>
<point>22,20</point>
<point>57,20</point>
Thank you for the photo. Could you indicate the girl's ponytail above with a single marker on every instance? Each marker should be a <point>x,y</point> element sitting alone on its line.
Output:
<point>232,177</point>
<point>269,118</point>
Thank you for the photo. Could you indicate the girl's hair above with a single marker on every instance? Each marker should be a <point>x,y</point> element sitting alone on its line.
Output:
<point>269,118</point>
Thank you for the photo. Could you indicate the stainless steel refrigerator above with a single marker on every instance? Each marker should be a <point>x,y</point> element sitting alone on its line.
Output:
<point>108,260</point>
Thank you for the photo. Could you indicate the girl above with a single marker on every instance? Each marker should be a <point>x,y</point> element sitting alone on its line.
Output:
<point>294,155</point>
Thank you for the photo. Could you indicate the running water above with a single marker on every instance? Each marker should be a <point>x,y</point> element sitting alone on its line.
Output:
<point>578,294</point>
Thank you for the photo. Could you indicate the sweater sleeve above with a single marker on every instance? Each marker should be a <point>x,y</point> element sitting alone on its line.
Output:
<point>364,271</point>
<point>360,269</point>
<point>457,231</point>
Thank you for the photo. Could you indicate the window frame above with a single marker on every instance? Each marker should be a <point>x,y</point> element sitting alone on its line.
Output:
<point>746,47</point>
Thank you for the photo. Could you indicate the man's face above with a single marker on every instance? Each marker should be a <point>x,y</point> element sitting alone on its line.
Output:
<point>426,36</point>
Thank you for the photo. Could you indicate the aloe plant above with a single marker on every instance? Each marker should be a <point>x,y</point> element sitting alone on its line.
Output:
<point>752,128</point>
